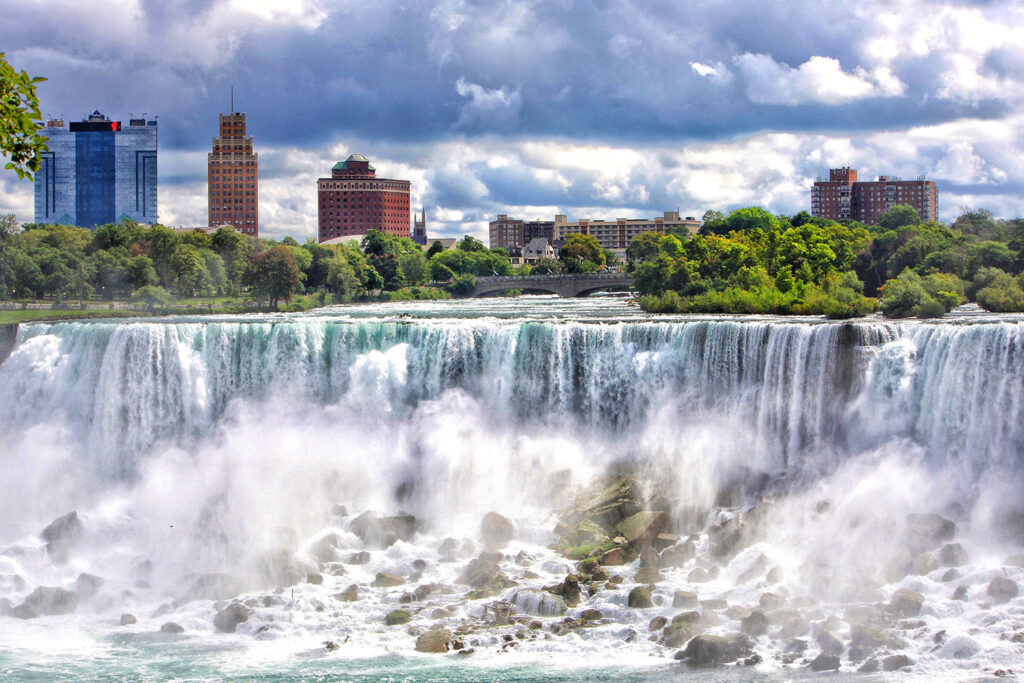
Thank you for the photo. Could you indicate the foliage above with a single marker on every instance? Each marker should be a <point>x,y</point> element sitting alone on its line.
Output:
<point>1002,293</point>
<point>581,254</point>
<point>20,140</point>
<point>463,284</point>
<point>152,296</point>
<point>898,216</point>
<point>417,294</point>
<point>546,266</point>
<point>907,296</point>
<point>273,274</point>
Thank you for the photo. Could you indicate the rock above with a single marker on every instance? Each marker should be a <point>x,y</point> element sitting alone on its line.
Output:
<point>613,557</point>
<point>171,627</point>
<point>927,531</point>
<point>729,536</point>
<point>678,555</point>
<point>338,510</point>
<point>361,557</point>
<point>642,527</point>
<point>960,593</point>
<point>869,667</point>
<point>657,623</point>
<point>350,594</point>
<point>774,575</point>
<point>1001,590</point>
<point>953,555</point>
<point>47,600</point>
<point>325,548</point>
<point>331,645</point>
<point>538,603</point>
<point>665,540</point>
<point>87,585</point>
<point>228,619</point>
<point>824,662</point>
<point>482,571</point>
<point>608,502</point>
<point>682,599</point>
<point>434,641</point>
<point>61,534</point>
<point>707,650</point>
<point>648,575</point>
<point>895,662</point>
<point>701,575</point>
<point>829,643</point>
<point>315,578</point>
<point>950,575</point>
<point>714,604</point>
<point>496,530</point>
<point>771,601</point>
<point>383,531</point>
<point>569,589</point>
<point>590,615</point>
<point>925,563</point>
<point>737,612</point>
<point>213,587</point>
<point>649,557</point>
<point>1014,561</point>
<point>640,598</point>
<point>906,603</point>
<point>397,617</point>
<point>758,568</point>
<point>755,625</point>
<point>385,580</point>
<point>682,627</point>
<point>128,619</point>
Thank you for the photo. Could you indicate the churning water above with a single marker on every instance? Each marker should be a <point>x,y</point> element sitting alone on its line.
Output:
<point>232,447</point>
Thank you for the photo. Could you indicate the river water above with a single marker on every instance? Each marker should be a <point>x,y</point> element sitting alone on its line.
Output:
<point>230,447</point>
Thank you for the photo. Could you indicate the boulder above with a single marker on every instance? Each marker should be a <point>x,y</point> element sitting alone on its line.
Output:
<point>684,599</point>
<point>325,548</point>
<point>953,555</point>
<point>927,532</point>
<point>613,557</point>
<point>538,603</point>
<point>385,580</point>
<point>482,571</point>
<point>87,585</point>
<point>383,531</point>
<point>228,619</point>
<point>1014,561</point>
<point>128,619</point>
<point>496,530</point>
<point>640,598</point>
<point>771,601</point>
<point>678,555</point>
<point>869,667</point>
<point>434,641</point>
<point>315,578</point>
<point>829,642</point>
<point>171,627</point>
<point>682,627</point>
<point>824,662</point>
<point>895,662</point>
<point>590,615</point>
<point>608,502</point>
<point>755,625</point>
<point>960,594</point>
<point>729,536</point>
<point>657,623</point>
<point>648,575</point>
<point>61,534</point>
<point>642,527</point>
<point>707,650</point>
<point>1001,589</point>
<point>350,594</point>
<point>569,590</point>
<point>361,557</point>
<point>906,603</point>
<point>47,600</point>
<point>924,563</point>
<point>397,617</point>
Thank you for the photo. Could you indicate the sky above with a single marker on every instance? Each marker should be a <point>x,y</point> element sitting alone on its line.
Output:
<point>594,109</point>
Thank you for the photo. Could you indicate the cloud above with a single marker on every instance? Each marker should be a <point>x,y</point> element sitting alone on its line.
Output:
<point>819,79</point>
<point>717,73</point>
<point>487,109</point>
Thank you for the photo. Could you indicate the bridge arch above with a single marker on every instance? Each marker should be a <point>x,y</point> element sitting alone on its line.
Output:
<point>562,285</point>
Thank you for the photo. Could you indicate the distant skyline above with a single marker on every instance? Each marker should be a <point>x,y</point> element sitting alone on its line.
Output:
<point>593,109</point>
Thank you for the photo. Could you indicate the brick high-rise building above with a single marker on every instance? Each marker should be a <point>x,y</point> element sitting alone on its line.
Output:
<point>843,196</point>
<point>233,173</point>
<point>97,171</point>
<point>354,200</point>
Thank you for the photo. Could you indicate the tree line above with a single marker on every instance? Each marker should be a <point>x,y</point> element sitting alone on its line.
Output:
<point>751,261</point>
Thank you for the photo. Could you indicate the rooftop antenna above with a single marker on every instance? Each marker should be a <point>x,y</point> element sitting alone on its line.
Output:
<point>232,99</point>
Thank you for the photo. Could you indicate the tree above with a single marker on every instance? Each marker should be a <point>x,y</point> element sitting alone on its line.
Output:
<point>712,222</point>
<point>546,266</point>
<point>19,111</point>
<point>898,216</point>
<point>273,274</point>
<point>152,296</point>
<point>435,248</point>
<point>581,254</point>
<point>414,267</point>
<point>750,219</point>
<point>470,243</point>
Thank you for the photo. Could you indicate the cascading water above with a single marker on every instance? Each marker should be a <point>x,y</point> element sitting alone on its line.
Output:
<point>192,449</point>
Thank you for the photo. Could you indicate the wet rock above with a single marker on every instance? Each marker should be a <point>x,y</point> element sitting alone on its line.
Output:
<point>350,594</point>
<point>87,585</point>
<point>738,612</point>
<point>758,568</point>
<point>383,531</point>
<point>339,510</point>
<point>701,575</point>
<point>950,575</point>
<point>385,580</point>
<point>397,617</point>
<point>683,599</point>
<point>436,641</point>
<point>824,662</point>
<point>924,563</point>
<point>496,530</point>
<point>678,555</point>
<point>682,627</point>
<point>47,600</point>
<point>829,642</point>
<point>960,593</point>
<point>213,587</point>
<point>171,627</point>
<point>325,548</point>
<point>331,645</point>
<point>648,575</point>
<point>640,598</point>
<point>613,557</point>
<point>895,662</point>
<point>61,534</point>
<point>590,615</point>
<point>649,557</point>
<point>707,650</point>
<point>771,601</point>
<point>792,627</point>
<point>657,623</point>
<point>482,571</point>
<point>1014,561</point>
<point>282,568</point>
<point>569,590</point>
<point>906,603</point>
<point>869,667</point>
<point>755,625</point>
<point>228,619</point>
<point>953,555</point>
<point>774,575</point>
<point>128,619</point>
<point>665,540</point>
<point>315,578</point>
<point>714,604</point>
<point>538,603</point>
<point>607,503</point>
<point>642,527</point>
<point>927,532</point>
<point>1001,589</point>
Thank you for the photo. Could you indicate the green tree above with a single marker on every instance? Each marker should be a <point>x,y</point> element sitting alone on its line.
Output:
<point>20,140</point>
<point>470,243</point>
<point>152,296</point>
<point>273,274</point>
<point>546,266</point>
<point>414,267</point>
<point>188,269</point>
<point>435,248</point>
<point>898,216</point>
<point>581,254</point>
<point>750,219</point>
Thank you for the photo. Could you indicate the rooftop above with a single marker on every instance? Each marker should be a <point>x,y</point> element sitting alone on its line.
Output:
<point>343,165</point>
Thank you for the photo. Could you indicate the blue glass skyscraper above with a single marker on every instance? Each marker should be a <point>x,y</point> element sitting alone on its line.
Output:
<point>97,171</point>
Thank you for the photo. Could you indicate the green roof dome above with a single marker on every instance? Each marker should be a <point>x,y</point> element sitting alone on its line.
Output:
<point>343,165</point>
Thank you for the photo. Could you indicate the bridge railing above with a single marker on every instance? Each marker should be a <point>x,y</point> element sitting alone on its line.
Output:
<point>490,279</point>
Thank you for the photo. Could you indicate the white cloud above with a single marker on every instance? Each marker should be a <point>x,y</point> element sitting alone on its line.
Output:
<point>489,108</point>
<point>717,73</point>
<point>819,79</point>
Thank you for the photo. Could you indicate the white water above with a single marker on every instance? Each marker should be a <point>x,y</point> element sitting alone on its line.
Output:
<point>204,446</point>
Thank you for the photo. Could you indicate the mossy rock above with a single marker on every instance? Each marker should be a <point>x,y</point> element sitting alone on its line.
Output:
<point>398,616</point>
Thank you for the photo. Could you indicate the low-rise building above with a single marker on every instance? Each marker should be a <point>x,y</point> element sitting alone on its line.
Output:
<point>617,234</point>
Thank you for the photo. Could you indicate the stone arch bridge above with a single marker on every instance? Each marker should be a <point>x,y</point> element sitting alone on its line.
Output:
<point>563,285</point>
